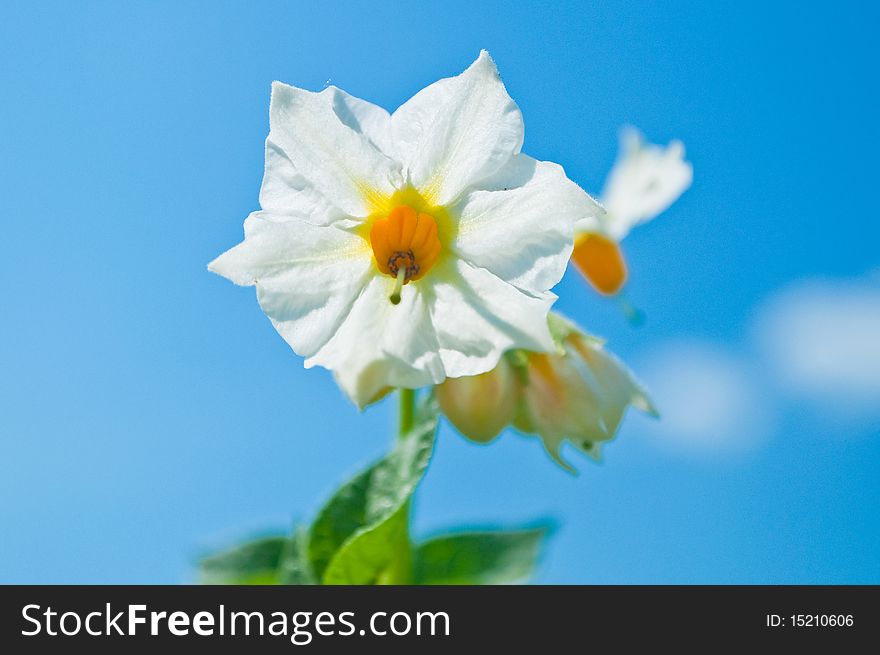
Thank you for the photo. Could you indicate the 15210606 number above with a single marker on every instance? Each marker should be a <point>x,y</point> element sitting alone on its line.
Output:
<point>821,620</point>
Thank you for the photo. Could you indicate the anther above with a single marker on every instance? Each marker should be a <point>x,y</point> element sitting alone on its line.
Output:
<point>405,260</point>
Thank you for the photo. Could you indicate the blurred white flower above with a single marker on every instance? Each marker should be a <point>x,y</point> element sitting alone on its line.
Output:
<point>578,394</point>
<point>399,250</point>
<point>645,180</point>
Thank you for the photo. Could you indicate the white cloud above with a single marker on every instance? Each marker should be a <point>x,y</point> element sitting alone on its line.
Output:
<point>710,400</point>
<point>817,354</point>
<point>821,339</point>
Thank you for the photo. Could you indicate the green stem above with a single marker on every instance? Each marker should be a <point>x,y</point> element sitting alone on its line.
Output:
<point>400,571</point>
<point>406,412</point>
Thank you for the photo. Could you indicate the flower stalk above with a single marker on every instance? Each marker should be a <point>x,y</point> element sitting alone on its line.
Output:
<point>400,570</point>
<point>406,411</point>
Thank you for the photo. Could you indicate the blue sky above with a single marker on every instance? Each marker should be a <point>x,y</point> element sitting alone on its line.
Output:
<point>149,411</point>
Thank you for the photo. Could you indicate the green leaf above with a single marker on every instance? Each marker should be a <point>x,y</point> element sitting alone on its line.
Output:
<point>378,554</point>
<point>252,563</point>
<point>490,557</point>
<point>353,520</point>
<point>293,566</point>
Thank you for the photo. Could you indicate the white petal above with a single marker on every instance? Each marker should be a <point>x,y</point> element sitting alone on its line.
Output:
<point>561,401</point>
<point>522,228</point>
<point>457,321</point>
<point>342,162</point>
<point>457,131</point>
<point>478,317</point>
<point>364,117</point>
<point>259,221</point>
<point>595,223</point>
<point>307,276</point>
<point>619,387</point>
<point>286,191</point>
<point>644,181</point>
<point>381,345</point>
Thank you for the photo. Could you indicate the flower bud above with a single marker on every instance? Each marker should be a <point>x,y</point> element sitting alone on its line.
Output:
<point>578,393</point>
<point>480,406</point>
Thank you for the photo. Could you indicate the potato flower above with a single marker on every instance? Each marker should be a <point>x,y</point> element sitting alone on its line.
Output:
<point>644,182</point>
<point>578,393</point>
<point>399,250</point>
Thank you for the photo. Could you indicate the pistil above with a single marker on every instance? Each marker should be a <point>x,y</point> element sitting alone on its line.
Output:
<point>398,286</point>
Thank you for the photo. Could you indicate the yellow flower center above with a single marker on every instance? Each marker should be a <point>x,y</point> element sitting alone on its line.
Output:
<point>599,259</point>
<point>405,245</point>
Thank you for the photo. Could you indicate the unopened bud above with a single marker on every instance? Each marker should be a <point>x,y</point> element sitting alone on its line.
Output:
<point>480,406</point>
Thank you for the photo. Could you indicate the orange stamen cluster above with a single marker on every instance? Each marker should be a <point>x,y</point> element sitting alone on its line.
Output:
<point>599,259</point>
<point>405,240</point>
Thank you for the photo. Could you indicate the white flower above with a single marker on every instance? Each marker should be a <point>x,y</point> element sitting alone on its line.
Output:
<point>578,393</point>
<point>645,180</point>
<point>399,250</point>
